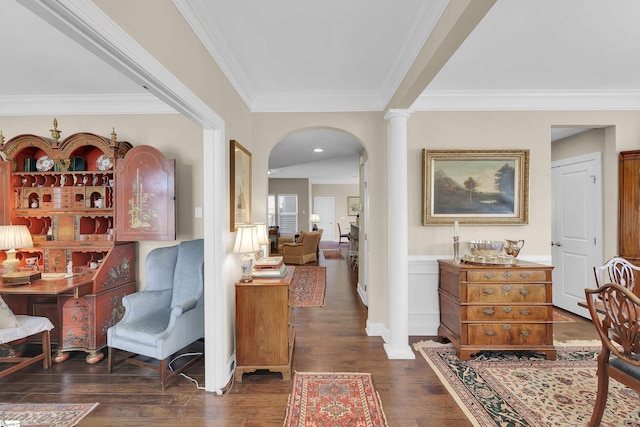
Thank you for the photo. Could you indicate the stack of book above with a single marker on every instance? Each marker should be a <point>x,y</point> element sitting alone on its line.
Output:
<point>269,267</point>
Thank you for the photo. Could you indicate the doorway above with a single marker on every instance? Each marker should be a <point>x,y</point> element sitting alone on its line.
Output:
<point>576,231</point>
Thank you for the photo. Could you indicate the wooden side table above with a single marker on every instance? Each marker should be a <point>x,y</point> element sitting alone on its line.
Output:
<point>265,328</point>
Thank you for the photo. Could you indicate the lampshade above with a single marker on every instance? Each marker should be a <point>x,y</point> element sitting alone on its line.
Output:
<point>14,237</point>
<point>315,218</point>
<point>246,240</point>
<point>263,234</point>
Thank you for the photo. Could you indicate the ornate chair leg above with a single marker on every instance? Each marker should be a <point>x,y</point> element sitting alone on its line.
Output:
<point>603,389</point>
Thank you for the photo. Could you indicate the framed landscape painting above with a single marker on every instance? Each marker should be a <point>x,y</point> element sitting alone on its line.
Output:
<point>475,186</point>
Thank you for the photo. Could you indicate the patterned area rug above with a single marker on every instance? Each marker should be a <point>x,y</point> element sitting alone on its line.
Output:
<point>44,414</point>
<point>525,389</point>
<point>309,286</point>
<point>332,254</point>
<point>334,399</point>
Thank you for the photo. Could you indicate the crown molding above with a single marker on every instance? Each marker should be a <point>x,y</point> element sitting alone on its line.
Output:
<point>316,102</point>
<point>436,100</point>
<point>35,105</point>
<point>421,28</point>
<point>215,43</point>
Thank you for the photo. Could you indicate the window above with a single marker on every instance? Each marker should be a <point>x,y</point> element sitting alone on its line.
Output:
<point>282,210</point>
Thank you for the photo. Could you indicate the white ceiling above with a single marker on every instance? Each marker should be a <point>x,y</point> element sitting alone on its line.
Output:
<point>288,55</point>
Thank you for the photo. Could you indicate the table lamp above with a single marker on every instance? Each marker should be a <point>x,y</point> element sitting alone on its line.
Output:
<point>263,237</point>
<point>13,237</point>
<point>246,243</point>
<point>315,219</point>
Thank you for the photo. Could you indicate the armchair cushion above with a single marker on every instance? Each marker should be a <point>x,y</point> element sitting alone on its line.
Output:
<point>168,314</point>
<point>7,318</point>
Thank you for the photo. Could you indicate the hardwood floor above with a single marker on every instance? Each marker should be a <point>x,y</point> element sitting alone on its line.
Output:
<point>328,339</point>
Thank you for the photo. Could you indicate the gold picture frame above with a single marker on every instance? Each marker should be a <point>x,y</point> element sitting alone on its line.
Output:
<point>353,205</point>
<point>475,186</point>
<point>240,184</point>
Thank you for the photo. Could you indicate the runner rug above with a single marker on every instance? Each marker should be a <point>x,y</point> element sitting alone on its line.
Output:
<point>308,286</point>
<point>44,414</point>
<point>524,389</point>
<point>334,399</point>
<point>332,254</point>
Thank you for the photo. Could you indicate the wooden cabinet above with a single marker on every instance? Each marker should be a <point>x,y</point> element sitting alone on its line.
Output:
<point>66,193</point>
<point>496,307</point>
<point>629,196</point>
<point>265,328</point>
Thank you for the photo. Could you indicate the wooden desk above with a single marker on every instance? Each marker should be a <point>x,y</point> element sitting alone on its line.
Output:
<point>81,308</point>
<point>77,286</point>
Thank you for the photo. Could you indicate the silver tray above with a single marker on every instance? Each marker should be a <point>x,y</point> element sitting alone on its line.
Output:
<point>499,260</point>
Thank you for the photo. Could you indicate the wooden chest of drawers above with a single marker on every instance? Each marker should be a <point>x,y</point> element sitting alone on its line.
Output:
<point>496,307</point>
<point>265,326</point>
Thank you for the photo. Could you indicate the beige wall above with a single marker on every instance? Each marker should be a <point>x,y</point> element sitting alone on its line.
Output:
<point>340,192</point>
<point>504,130</point>
<point>591,141</point>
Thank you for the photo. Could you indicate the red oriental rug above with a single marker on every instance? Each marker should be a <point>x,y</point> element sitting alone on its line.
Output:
<point>332,254</point>
<point>308,286</point>
<point>334,399</point>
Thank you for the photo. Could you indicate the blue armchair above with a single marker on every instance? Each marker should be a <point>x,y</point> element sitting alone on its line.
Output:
<point>168,314</point>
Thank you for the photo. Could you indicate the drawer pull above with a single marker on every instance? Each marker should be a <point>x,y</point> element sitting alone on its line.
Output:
<point>488,275</point>
<point>506,288</point>
<point>489,291</point>
<point>506,275</point>
<point>524,275</point>
<point>525,332</point>
<point>525,312</point>
<point>489,311</point>
<point>507,327</point>
<point>489,333</point>
<point>507,309</point>
<point>524,292</point>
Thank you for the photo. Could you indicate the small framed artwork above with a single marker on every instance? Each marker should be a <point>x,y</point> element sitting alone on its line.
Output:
<point>475,186</point>
<point>240,182</point>
<point>353,205</point>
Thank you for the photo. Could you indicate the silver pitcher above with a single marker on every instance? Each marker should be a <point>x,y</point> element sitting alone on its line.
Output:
<point>512,247</point>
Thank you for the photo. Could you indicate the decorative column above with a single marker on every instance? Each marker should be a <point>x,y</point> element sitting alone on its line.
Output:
<point>398,346</point>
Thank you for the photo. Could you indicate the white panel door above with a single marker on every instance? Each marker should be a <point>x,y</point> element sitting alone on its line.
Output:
<point>576,234</point>
<point>325,207</point>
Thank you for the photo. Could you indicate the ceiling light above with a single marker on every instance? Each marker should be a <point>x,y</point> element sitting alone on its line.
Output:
<point>318,150</point>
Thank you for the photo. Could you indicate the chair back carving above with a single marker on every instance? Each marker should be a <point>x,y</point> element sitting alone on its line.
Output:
<point>619,320</point>
<point>617,270</point>
<point>615,312</point>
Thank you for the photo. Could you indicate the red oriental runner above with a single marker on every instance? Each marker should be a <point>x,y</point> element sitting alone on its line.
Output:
<point>308,286</point>
<point>334,399</point>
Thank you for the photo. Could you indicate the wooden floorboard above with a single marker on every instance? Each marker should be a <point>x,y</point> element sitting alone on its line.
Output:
<point>328,339</point>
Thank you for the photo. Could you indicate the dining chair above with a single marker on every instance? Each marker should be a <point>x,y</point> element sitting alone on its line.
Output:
<point>615,312</point>
<point>617,270</point>
<point>343,235</point>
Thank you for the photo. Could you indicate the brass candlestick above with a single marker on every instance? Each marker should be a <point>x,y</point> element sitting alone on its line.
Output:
<point>456,249</point>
